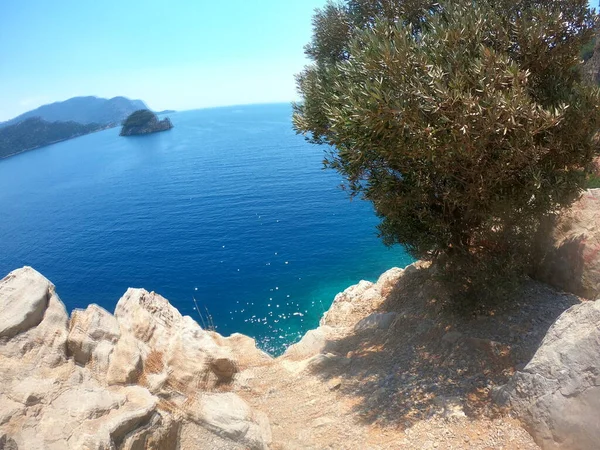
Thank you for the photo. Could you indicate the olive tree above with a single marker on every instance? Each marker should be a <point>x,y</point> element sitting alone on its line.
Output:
<point>465,123</point>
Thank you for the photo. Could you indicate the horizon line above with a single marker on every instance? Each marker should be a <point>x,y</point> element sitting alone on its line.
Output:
<point>158,110</point>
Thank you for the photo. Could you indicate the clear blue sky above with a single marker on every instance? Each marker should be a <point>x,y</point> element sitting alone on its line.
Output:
<point>173,54</point>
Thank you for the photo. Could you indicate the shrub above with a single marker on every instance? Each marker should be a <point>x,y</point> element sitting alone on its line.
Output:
<point>465,123</point>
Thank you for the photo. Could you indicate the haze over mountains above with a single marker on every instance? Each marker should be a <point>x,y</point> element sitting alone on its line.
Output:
<point>84,110</point>
<point>63,120</point>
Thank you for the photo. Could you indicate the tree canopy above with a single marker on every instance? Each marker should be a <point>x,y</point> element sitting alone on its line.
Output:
<point>139,118</point>
<point>465,123</point>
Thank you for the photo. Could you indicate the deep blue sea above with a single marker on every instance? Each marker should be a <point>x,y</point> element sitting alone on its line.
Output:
<point>230,207</point>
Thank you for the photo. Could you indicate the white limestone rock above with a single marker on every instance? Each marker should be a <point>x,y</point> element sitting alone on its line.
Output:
<point>227,415</point>
<point>72,410</point>
<point>125,365</point>
<point>93,333</point>
<point>173,344</point>
<point>126,381</point>
<point>244,349</point>
<point>33,320</point>
<point>311,344</point>
<point>361,300</point>
<point>24,295</point>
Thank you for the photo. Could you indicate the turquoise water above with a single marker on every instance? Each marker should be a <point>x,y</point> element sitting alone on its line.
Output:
<point>230,207</point>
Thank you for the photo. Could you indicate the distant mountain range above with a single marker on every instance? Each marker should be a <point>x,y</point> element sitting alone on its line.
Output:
<point>84,110</point>
<point>63,120</point>
<point>34,132</point>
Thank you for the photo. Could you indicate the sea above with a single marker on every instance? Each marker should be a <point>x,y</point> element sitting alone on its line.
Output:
<point>229,215</point>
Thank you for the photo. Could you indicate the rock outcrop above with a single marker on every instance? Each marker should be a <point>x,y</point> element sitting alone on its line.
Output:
<point>558,393</point>
<point>146,377</point>
<point>388,367</point>
<point>33,321</point>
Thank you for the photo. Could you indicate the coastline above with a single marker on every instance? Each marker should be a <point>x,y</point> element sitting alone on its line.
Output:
<point>172,383</point>
<point>57,142</point>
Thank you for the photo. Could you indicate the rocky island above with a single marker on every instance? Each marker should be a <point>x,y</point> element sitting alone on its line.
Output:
<point>144,121</point>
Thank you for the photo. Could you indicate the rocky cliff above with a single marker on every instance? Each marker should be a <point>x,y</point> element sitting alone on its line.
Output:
<point>390,366</point>
<point>145,377</point>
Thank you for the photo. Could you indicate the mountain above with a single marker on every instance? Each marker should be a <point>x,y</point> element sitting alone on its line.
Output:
<point>84,110</point>
<point>34,132</point>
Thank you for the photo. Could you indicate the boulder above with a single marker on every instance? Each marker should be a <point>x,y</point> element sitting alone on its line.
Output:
<point>346,304</point>
<point>132,409</point>
<point>170,344</point>
<point>93,333</point>
<point>227,415</point>
<point>557,394</point>
<point>24,295</point>
<point>389,279</point>
<point>243,348</point>
<point>125,365</point>
<point>161,432</point>
<point>376,321</point>
<point>353,310</point>
<point>33,320</point>
<point>311,344</point>
<point>361,300</point>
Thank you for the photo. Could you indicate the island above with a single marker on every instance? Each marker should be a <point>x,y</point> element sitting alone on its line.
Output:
<point>144,121</point>
<point>63,120</point>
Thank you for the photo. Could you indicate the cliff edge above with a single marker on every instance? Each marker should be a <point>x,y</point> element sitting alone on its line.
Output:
<point>390,366</point>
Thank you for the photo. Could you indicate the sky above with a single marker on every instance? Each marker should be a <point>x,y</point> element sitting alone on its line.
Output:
<point>172,54</point>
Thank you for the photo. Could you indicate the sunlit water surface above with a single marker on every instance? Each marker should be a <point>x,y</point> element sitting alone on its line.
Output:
<point>230,207</point>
